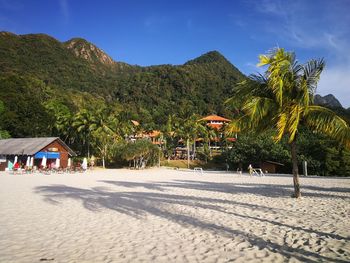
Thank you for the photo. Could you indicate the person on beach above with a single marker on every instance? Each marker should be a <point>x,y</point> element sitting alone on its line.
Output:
<point>250,169</point>
<point>92,162</point>
<point>17,166</point>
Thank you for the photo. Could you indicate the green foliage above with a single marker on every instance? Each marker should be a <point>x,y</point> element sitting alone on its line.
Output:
<point>3,134</point>
<point>324,156</point>
<point>24,114</point>
<point>253,148</point>
<point>140,153</point>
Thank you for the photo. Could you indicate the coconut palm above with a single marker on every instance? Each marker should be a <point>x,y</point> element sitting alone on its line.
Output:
<point>189,130</point>
<point>82,122</point>
<point>103,133</point>
<point>282,99</point>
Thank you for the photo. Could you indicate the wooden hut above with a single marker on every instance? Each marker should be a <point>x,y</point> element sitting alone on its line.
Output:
<point>50,147</point>
<point>270,166</point>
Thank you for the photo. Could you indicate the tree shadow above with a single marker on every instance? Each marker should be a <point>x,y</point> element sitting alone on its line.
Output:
<point>222,187</point>
<point>261,189</point>
<point>140,204</point>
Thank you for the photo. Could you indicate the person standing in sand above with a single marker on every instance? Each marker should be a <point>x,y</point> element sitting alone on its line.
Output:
<point>92,162</point>
<point>250,169</point>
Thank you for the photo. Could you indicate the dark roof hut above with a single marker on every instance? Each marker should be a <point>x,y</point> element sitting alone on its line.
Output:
<point>50,147</point>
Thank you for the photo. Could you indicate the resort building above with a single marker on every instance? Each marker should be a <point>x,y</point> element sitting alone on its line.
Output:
<point>215,121</point>
<point>20,149</point>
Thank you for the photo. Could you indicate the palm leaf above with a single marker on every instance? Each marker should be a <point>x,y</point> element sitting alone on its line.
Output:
<point>326,121</point>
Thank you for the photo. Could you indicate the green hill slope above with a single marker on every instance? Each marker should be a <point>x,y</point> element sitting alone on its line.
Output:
<point>36,69</point>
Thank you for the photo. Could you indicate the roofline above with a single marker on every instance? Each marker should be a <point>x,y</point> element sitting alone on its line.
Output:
<point>70,151</point>
<point>214,115</point>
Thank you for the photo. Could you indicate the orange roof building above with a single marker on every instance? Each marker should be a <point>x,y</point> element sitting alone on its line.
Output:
<point>215,121</point>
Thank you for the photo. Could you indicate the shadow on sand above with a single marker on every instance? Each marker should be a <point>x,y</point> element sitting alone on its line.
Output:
<point>138,204</point>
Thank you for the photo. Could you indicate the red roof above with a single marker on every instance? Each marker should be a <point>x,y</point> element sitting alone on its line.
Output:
<point>215,118</point>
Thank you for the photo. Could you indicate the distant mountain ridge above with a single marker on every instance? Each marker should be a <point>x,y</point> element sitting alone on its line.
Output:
<point>329,101</point>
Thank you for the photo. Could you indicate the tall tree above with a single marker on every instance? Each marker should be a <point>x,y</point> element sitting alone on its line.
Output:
<point>3,133</point>
<point>82,122</point>
<point>189,130</point>
<point>282,98</point>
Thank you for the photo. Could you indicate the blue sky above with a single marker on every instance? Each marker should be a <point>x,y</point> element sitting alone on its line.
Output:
<point>153,32</point>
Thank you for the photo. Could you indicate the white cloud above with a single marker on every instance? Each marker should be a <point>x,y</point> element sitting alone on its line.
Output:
<point>317,29</point>
<point>64,10</point>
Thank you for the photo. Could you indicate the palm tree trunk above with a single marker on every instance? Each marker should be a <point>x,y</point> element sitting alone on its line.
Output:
<point>194,148</point>
<point>297,193</point>
<point>209,145</point>
<point>188,153</point>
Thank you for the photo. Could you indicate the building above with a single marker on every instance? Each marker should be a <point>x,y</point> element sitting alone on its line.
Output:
<point>215,121</point>
<point>271,167</point>
<point>50,147</point>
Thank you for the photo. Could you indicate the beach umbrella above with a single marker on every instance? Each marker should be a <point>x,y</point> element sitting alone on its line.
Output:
<point>31,164</point>
<point>10,166</point>
<point>16,159</point>
<point>84,164</point>
<point>58,163</point>
<point>28,161</point>
<point>69,163</point>
<point>43,162</point>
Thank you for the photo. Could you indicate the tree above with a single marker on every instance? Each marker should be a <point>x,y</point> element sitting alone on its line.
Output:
<point>189,130</point>
<point>3,133</point>
<point>62,125</point>
<point>104,132</point>
<point>82,122</point>
<point>141,152</point>
<point>251,148</point>
<point>282,99</point>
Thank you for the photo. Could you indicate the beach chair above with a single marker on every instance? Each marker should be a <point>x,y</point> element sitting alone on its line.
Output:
<point>258,172</point>
<point>198,170</point>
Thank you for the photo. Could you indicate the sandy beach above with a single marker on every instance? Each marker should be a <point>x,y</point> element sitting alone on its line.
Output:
<point>162,215</point>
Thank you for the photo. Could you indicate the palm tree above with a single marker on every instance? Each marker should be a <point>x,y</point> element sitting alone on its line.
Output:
<point>282,98</point>
<point>82,122</point>
<point>169,135</point>
<point>189,130</point>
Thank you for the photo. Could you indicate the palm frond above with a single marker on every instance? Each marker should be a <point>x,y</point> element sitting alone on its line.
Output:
<point>255,85</point>
<point>233,127</point>
<point>258,108</point>
<point>281,125</point>
<point>326,121</point>
<point>312,72</point>
<point>295,112</point>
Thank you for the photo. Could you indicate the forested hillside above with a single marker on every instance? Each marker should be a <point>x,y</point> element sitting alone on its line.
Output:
<point>37,70</point>
<point>76,91</point>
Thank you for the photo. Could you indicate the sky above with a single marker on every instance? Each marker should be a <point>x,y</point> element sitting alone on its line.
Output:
<point>151,32</point>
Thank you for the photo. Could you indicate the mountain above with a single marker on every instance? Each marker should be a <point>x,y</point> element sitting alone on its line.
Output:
<point>39,73</point>
<point>329,101</point>
<point>83,49</point>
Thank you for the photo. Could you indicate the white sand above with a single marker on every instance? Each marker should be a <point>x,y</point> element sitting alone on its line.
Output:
<point>162,215</point>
